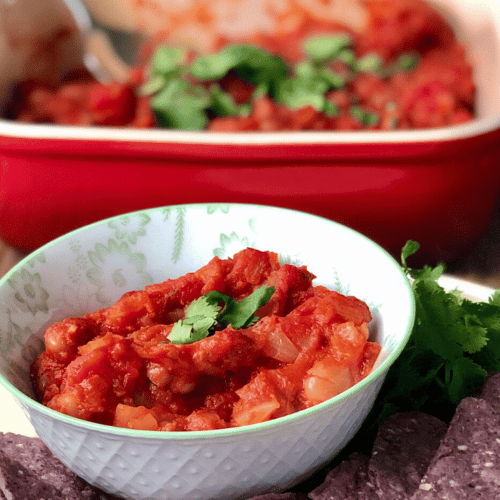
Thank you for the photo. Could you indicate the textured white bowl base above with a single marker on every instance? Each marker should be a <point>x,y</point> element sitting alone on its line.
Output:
<point>183,470</point>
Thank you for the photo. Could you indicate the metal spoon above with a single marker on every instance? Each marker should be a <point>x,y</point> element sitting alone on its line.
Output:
<point>109,53</point>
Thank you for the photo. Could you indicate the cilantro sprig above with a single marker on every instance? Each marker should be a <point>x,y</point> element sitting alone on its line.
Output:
<point>216,309</point>
<point>185,92</point>
<point>454,343</point>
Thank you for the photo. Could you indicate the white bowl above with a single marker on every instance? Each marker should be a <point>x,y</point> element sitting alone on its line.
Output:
<point>93,266</point>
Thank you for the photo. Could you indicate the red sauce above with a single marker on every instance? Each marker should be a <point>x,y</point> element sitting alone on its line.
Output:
<point>117,366</point>
<point>440,91</point>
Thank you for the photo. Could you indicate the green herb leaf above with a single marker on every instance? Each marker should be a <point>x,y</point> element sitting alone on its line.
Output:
<point>166,60</point>
<point>330,108</point>
<point>201,315</point>
<point>308,87</point>
<point>180,99</point>
<point>261,67</point>
<point>166,63</point>
<point>495,298</point>
<point>153,85</point>
<point>300,92</point>
<point>411,247</point>
<point>334,80</point>
<point>206,306</point>
<point>427,272</point>
<point>464,377</point>
<point>183,333</point>
<point>324,48</point>
<point>438,313</point>
<point>370,63</point>
<point>222,103</point>
<point>217,309</point>
<point>260,90</point>
<point>180,105</point>
<point>406,62</point>
<point>454,343</point>
<point>306,70</point>
<point>241,314</point>
<point>251,63</point>
<point>217,65</point>
<point>367,118</point>
<point>347,56</point>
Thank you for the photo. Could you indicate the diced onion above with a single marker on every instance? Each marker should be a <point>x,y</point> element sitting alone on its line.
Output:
<point>280,347</point>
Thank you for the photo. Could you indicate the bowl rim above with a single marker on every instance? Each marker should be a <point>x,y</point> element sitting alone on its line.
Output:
<point>473,128</point>
<point>230,431</point>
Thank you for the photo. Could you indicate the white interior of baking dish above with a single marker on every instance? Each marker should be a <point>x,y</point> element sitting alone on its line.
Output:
<point>476,22</point>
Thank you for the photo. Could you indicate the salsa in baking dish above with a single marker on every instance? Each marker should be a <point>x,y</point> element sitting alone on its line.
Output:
<point>240,341</point>
<point>337,65</point>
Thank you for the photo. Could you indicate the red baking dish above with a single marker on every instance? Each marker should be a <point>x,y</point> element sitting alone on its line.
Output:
<point>438,187</point>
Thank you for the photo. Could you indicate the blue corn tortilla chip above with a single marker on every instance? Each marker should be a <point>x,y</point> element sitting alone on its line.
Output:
<point>18,482</point>
<point>29,471</point>
<point>403,449</point>
<point>347,481</point>
<point>491,391</point>
<point>467,463</point>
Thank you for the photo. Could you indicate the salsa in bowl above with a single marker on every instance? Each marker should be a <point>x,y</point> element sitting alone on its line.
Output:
<point>93,267</point>
<point>240,341</point>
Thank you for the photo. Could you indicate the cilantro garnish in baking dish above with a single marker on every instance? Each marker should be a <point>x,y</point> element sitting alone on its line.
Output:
<point>203,315</point>
<point>185,92</point>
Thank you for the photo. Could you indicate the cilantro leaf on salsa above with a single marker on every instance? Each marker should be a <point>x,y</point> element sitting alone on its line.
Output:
<point>326,47</point>
<point>181,106</point>
<point>251,63</point>
<point>240,314</point>
<point>206,312</point>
